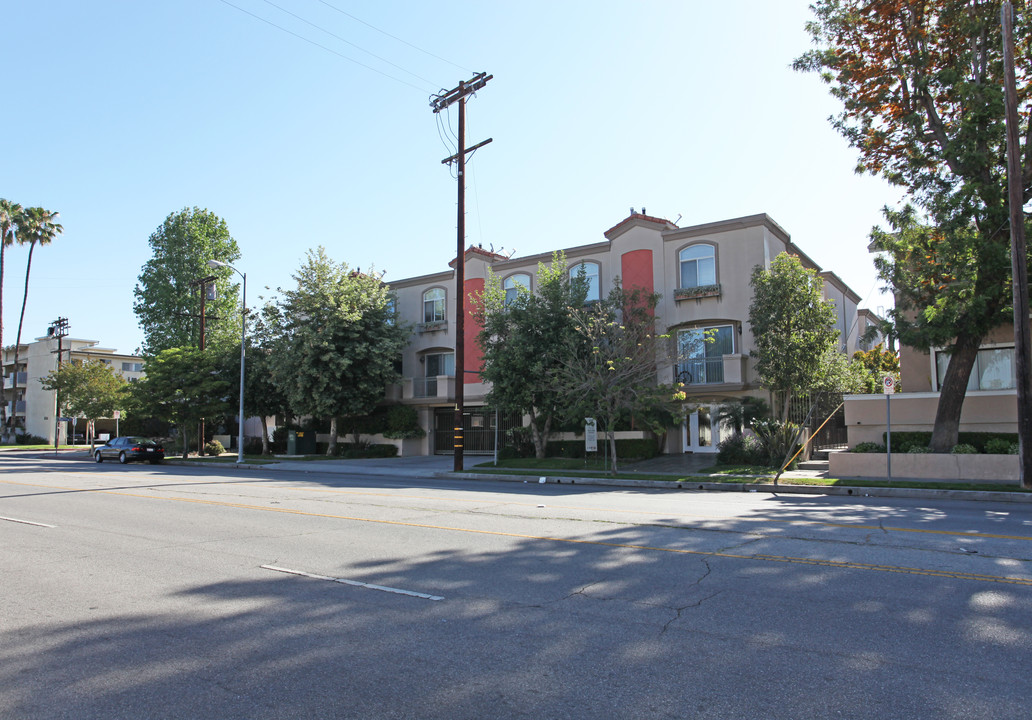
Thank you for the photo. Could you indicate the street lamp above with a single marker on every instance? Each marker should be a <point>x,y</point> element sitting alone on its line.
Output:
<point>243,333</point>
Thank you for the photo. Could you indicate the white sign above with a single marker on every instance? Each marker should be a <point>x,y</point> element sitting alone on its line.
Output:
<point>118,414</point>
<point>890,384</point>
<point>590,435</point>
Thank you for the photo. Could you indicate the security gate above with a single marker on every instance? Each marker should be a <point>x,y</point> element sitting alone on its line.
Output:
<point>478,428</point>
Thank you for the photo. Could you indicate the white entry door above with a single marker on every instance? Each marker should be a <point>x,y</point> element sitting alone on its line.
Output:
<point>701,430</point>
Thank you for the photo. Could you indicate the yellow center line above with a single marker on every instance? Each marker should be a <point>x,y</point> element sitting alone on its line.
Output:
<point>837,564</point>
<point>575,508</point>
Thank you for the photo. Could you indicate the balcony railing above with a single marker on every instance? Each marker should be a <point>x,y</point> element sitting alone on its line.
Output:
<point>435,386</point>
<point>702,371</point>
<point>16,407</point>
<point>23,379</point>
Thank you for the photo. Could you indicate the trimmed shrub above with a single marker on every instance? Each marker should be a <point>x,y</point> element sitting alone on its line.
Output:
<point>371,450</point>
<point>739,449</point>
<point>964,449</point>
<point>27,439</point>
<point>214,448</point>
<point>918,450</point>
<point>902,440</point>
<point>999,446</point>
<point>868,447</point>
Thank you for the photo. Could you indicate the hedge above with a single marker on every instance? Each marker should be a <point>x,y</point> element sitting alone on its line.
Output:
<point>903,440</point>
<point>636,448</point>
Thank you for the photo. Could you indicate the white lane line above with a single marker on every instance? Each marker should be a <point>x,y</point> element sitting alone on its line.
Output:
<point>26,522</point>
<point>355,583</point>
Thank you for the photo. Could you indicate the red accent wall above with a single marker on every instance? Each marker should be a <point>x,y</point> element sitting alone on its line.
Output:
<point>472,355</point>
<point>636,270</point>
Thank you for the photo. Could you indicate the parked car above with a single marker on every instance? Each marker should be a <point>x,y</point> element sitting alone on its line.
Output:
<point>129,448</point>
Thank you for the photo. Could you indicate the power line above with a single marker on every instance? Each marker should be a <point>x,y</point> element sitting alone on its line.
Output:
<point>323,47</point>
<point>404,42</point>
<point>348,42</point>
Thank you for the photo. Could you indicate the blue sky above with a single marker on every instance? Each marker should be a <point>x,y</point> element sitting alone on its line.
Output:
<point>119,112</point>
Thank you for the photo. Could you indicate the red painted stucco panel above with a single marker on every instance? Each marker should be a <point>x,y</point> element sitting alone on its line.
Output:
<point>472,355</point>
<point>636,270</point>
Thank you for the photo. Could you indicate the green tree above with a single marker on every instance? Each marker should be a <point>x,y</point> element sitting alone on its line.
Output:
<point>36,227</point>
<point>921,86</point>
<point>608,369</point>
<point>335,341</point>
<point>167,297</point>
<point>10,216</point>
<point>793,329</point>
<point>91,389</point>
<point>523,342</point>
<point>877,363</point>
<point>182,386</point>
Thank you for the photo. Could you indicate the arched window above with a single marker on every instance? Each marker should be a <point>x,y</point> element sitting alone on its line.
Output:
<point>433,305</point>
<point>590,271</point>
<point>512,284</point>
<point>698,266</point>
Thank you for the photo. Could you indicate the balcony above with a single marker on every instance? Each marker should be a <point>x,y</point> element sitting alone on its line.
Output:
<point>724,370</point>
<point>23,379</point>
<point>435,387</point>
<point>16,407</point>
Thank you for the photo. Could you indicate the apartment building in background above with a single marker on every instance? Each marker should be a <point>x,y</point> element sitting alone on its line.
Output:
<point>34,407</point>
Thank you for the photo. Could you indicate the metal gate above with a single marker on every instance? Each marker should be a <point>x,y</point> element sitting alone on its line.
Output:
<point>478,429</point>
<point>833,434</point>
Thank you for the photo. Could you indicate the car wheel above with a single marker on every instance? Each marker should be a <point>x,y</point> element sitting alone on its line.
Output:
<point>123,458</point>
<point>98,457</point>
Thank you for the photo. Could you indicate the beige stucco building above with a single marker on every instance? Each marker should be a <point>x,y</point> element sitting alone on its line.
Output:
<point>702,274</point>
<point>25,397</point>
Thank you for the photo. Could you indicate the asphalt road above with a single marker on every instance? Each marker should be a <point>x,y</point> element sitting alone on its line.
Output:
<point>172,592</point>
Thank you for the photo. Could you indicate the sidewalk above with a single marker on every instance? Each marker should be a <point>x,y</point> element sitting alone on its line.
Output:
<point>682,469</point>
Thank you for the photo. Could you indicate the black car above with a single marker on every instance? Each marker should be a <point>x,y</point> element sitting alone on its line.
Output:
<point>130,448</point>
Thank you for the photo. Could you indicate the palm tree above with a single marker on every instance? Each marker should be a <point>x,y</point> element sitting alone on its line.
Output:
<point>38,226</point>
<point>10,217</point>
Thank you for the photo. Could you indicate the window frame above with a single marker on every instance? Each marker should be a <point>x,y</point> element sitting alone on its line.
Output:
<point>575,271</point>
<point>510,284</point>
<point>433,302</point>
<point>681,263</point>
<point>976,374</point>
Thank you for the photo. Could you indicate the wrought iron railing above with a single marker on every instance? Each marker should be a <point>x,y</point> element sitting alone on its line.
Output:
<point>701,371</point>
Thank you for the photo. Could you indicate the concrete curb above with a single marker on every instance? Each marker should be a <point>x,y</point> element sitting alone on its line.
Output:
<point>701,484</point>
<point>682,484</point>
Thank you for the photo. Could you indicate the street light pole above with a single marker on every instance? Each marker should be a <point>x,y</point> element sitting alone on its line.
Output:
<point>243,335</point>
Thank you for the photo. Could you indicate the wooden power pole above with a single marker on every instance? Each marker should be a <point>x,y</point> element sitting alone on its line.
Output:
<point>440,102</point>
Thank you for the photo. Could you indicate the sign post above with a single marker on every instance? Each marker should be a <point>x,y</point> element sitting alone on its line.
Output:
<point>889,383</point>
<point>590,435</point>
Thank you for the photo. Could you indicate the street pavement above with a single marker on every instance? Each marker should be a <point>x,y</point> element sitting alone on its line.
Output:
<point>210,592</point>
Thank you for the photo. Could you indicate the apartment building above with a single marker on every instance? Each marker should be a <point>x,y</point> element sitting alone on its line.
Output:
<point>702,274</point>
<point>33,409</point>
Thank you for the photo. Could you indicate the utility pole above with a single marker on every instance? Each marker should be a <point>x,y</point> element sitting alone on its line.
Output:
<point>58,329</point>
<point>440,102</point>
<point>1019,257</point>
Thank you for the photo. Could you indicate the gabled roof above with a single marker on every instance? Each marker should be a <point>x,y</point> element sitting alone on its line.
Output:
<point>638,220</point>
<point>478,251</point>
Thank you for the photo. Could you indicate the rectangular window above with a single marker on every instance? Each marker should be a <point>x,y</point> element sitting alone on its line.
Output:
<point>440,364</point>
<point>993,369</point>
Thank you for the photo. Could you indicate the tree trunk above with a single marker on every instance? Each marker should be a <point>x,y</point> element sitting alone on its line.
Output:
<point>186,441</point>
<point>332,448</point>
<point>951,394</point>
<point>21,321</point>
<point>265,435</point>
<point>612,448</point>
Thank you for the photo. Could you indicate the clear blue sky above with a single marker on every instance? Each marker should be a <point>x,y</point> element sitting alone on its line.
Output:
<point>119,112</point>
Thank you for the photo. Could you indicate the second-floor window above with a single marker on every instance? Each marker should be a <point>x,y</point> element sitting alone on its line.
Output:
<point>433,305</point>
<point>698,266</point>
<point>439,364</point>
<point>512,284</point>
<point>590,271</point>
<point>993,369</point>
<point>132,367</point>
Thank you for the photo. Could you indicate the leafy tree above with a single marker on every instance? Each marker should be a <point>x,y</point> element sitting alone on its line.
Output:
<point>182,386</point>
<point>608,368</point>
<point>262,396</point>
<point>91,390</point>
<point>876,363</point>
<point>525,339</point>
<point>36,227</point>
<point>921,86</point>
<point>335,339</point>
<point>10,215</point>
<point>167,305</point>
<point>793,326</point>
